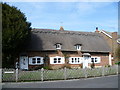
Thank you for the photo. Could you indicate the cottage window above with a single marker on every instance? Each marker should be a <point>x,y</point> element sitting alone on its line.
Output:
<point>75,60</point>
<point>57,60</point>
<point>58,46</point>
<point>78,47</point>
<point>35,60</point>
<point>92,59</point>
<point>72,60</point>
<point>78,60</point>
<point>95,59</point>
<point>38,60</point>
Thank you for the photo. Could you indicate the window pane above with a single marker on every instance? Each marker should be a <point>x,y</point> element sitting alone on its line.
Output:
<point>75,59</point>
<point>38,61</point>
<point>33,60</point>
<point>95,59</point>
<point>59,60</point>
<point>58,46</point>
<point>55,60</point>
<point>92,59</point>
<point>38,58</point>
<point>72,60</point>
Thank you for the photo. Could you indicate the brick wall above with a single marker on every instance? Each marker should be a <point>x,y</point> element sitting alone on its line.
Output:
<point>104,59</point>
<point>112,43</point>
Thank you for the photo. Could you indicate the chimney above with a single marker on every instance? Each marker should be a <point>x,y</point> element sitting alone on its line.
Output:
<point>114,35</point>
<point>61,28</point>
<point>114,42</point>
<point>97,29</point>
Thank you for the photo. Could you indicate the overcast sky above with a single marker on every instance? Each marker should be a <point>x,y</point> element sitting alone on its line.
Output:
<point>75,16</point>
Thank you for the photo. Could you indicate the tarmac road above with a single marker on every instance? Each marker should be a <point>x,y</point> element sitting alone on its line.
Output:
<point>97,82</point>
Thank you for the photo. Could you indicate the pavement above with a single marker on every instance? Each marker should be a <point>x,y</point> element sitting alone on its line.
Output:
<point>97,82</point>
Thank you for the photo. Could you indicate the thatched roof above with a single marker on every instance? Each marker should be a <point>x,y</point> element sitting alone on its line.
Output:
<point>45,39</point>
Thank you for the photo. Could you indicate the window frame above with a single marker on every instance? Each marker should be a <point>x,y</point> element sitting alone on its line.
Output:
<point>58,46</point>
<point>75,60</point>
<point>59,60</point>
<point>95,59</point>
<point>36,60</point>
<point>78,47</point>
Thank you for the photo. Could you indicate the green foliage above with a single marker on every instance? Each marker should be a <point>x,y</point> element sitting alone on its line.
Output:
<point>47,67</point>
<point>93,65</point>
<point>118,53</point>
<point>118,63</point>
<point>15,33</point>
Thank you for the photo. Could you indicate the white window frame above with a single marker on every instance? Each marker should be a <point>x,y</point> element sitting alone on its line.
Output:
<point>74,60</point>
<point>94,59</point>
<point>58,46</point>
<point>78,47</point>
<point>62,61</point>
<point>36,57</point>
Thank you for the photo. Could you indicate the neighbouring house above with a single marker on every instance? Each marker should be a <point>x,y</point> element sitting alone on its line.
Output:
<point>112,40</point>
<point>62,48</point>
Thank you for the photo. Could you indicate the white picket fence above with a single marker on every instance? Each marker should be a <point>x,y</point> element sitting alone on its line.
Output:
<point>9,75</point>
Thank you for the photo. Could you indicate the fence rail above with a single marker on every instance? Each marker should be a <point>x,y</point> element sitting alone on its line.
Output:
<point>12,75</point>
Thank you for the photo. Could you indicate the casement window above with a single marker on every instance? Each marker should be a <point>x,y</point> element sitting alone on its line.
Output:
<point>58,46</point>
<point>78,47</point>
<point>57,60</point>
<point>95,60</point>
<point>36,60</point>
<point>75,60</point>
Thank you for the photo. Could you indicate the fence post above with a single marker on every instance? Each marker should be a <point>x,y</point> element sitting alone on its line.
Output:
<point>42,70</point>
<point>103,71</point>
<point>16,74</point>
<point>117,69</point>
<point>85,71</point>
<point>65,73</point>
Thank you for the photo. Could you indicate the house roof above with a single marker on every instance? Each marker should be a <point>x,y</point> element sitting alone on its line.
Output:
<point>109,34</point>
<point>45,39</point>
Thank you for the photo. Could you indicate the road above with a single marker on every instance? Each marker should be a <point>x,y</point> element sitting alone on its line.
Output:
<point>98,82</point>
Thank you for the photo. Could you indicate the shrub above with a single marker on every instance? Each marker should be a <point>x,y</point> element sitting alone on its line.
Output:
<point>47,67</point>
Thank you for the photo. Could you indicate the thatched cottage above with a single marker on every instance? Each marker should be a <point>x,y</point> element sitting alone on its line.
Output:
<point>61,48</point>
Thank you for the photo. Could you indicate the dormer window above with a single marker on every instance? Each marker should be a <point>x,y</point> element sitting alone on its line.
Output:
<point>58,46</point>
<point>78,47</point>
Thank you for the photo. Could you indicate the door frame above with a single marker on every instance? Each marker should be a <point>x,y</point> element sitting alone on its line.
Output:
<point>86,61</point>
<point>23,67</point>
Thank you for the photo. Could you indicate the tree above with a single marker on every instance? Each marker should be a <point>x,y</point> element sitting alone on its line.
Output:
<point>118,54</point>
<point>15,34</point>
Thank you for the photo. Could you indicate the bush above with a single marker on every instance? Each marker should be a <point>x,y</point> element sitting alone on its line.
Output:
<point>93,65</point>
<point>46,67</point>
<point>118,63</point>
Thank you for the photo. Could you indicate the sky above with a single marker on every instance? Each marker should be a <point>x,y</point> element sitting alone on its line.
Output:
<point>73,16</point>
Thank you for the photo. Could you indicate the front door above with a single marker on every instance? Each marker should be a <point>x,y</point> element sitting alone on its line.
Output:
<point>24,62</point>
<point>85,61</point>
